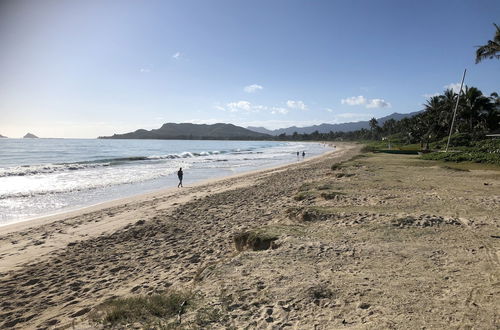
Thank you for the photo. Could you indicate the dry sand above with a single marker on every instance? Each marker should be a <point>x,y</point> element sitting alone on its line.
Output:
<point>385,241</point>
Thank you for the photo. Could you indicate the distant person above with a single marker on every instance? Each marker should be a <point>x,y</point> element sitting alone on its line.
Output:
<point>298,154</point>
<point>303,154</point>
<point>180,174</point>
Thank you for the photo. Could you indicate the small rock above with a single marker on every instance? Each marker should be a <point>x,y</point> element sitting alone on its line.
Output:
<point>364,305</point>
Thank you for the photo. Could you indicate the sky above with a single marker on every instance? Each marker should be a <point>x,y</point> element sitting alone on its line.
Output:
<point>87,68</point>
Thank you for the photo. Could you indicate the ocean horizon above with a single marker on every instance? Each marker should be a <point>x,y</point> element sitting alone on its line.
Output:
<point>40,177</point>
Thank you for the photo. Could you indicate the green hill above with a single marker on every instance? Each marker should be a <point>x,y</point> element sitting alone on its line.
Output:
<point>187,131</point>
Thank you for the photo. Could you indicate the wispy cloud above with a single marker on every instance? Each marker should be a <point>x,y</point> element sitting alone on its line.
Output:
<point>355,100</point>
<point>368,103</point>
<point>328,110</point>
<point>253,88</point>
<point>279,110</point>
<point>296,105</point>
<point>177,55</point>
<point>144,70</point>
<point>239,106</point>
<point>430,95</point>
<point>454,86</point>
<point>248,107</point>
<point>278,123</point>
<point>378,103</point>
<point>350,116</point>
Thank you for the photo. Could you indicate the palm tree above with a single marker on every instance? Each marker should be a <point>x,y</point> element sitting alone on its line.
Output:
<point>491,49</point>
<point>373,126</point>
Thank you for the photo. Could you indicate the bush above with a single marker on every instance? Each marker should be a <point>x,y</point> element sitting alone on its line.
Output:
<point>255,240</point>
<point>456,140</point>
<point>464,156</point>
<point>141,309</point>
<point>491,146</point>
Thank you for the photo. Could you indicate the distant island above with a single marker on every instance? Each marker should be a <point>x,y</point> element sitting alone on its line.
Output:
<point>2,137</point>
<point>187,131</point>
<point>30,136</point>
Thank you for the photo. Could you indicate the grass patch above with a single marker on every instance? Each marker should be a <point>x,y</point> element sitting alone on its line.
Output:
<point>307,186</point>
<point>146,310</point>
<point>256,240</point>
<point>343,175</point>
<point>331,194</point>
<point>304,195</point>
<point>326,186</point>
<point>391,233</point>
<point>206,316</point>
<point>336,167</point>
<point>466,166</point>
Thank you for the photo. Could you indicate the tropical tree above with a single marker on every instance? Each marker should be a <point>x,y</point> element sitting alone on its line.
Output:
<point>373,126</point>
<point>491,49</point>
<point>474,109</point>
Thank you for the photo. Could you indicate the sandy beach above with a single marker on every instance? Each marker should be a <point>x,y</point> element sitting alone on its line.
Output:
<point>364,241</point>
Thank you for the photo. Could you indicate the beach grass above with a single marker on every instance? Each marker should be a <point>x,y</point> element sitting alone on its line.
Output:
<point>145,310</point>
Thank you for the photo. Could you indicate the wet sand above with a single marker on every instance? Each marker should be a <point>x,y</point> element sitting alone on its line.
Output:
<point>384,241</point>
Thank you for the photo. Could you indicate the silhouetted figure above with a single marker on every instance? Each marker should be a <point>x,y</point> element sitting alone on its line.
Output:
<point>303,154</point>
<point>180,174</point>
<point>298,154</point>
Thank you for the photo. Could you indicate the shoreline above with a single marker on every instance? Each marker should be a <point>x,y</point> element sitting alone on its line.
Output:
<point>39,220</point>
<point>73,211</point>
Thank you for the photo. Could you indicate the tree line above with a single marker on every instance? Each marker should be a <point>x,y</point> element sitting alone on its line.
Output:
<point>477,115</point>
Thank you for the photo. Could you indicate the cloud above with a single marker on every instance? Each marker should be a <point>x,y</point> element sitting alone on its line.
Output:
<point>378,103</point>
<point>296,105</point>
<point>238,106</point>
<point>144,70</point>
<point>245,106</point>
<point>253,88</point>
<point>350,116</point>
<point>427,96</point>
<point>277,123</point>
<point>455,87</point>
<point>177,56</point>
<point>278,110</point>
<point>329,110</point>
<point>368,103</point>
<point>355,100</point>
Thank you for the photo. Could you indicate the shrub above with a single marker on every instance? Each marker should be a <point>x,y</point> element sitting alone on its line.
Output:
<point>464,156</point>
<point>255,240</point>
<point>142,309</point>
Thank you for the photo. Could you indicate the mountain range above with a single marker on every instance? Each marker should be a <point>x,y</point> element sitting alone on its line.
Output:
<point>326,128</point>
<point>2,137</point>
<point>186,131</point>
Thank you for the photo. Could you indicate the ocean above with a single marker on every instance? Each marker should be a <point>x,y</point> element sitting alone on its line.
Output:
<point>45,176</point>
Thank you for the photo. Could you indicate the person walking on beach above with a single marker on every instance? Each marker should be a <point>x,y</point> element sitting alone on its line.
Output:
<point>180,174</point>
<point>298,154</point>
<point>303,154</point>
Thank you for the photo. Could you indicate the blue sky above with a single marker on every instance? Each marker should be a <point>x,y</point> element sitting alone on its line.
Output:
<point>97,67</point>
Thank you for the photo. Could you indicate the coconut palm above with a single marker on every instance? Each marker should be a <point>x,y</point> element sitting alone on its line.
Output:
<point>491,49</point>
